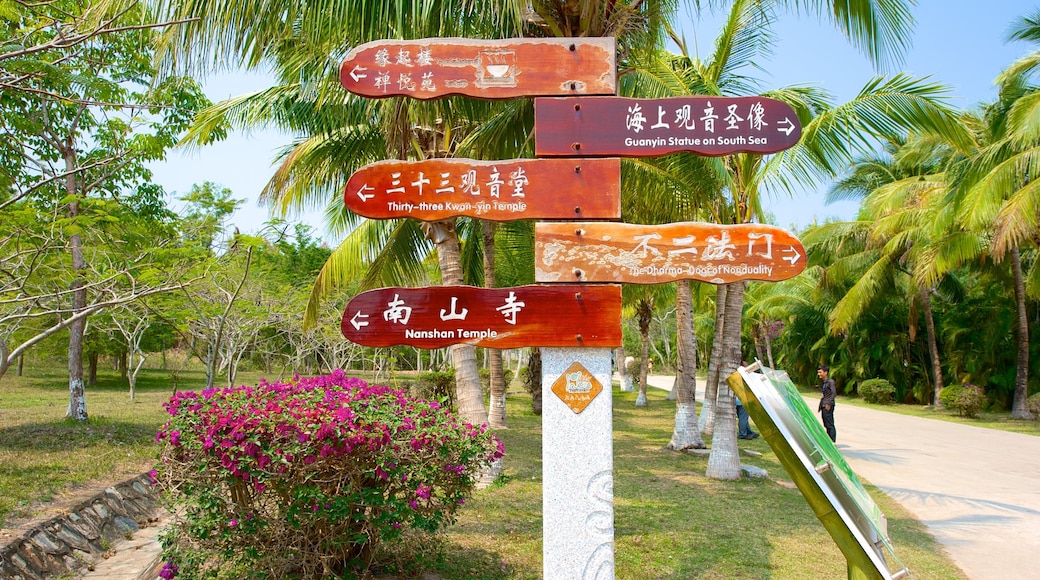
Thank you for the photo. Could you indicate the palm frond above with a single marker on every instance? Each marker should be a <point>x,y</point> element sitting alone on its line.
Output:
<point>1018,220</point>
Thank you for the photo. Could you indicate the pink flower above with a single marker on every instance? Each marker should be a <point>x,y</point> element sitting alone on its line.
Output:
<point>423,491</point>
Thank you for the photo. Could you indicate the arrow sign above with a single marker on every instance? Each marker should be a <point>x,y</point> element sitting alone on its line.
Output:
<point>642,254</point>
<point>489,69</point>
<point>357,321</point>
<point>607,126</point>
<point>439,316</point>
<point>492,190</point>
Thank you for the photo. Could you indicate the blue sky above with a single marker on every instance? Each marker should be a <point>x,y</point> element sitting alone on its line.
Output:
<point>959,43</point>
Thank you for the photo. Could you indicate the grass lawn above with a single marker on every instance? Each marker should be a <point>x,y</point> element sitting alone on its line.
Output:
<point>671,522</point>
<point>1000,421</point>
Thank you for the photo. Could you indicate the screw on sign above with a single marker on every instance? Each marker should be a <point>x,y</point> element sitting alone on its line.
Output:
<point>439,316</point>
<point>712,126</point>
<point>655,254</point>
<point>489,69</point>
<point>516,189</point>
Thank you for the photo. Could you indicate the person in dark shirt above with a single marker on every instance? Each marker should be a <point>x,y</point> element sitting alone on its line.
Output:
<point>827,400</point>
<point>743,425</point>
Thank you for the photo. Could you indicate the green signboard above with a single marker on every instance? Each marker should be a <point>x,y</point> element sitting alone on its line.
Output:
<point>819,470</point>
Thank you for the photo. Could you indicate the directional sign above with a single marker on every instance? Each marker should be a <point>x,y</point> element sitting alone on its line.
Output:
<point>439,316</point>
<point>607,126</point>
<point>489,69</point>
<point>492,190</point>
<point>819,470</point>
<point>641,254</point>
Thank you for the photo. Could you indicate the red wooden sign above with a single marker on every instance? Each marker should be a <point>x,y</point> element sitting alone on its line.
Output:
<point>489,69</point>
<point>643,254</point>
<point>492,190</point>
<point>607,126</point>
<point>439,316</point>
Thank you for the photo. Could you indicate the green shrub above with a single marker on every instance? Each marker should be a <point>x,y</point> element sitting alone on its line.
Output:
<point>877,391</point>
<point>485,377</point>
<point>1033,404</point>
<point>437,386</point>
<point>307,478</point>
<point>966,399</point>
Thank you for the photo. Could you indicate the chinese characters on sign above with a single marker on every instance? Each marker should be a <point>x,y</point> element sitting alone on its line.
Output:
<point>490,69</point>
<point>641,254</point>
<point>492,190</point>
<point>438,316</point>
<point>599,126</point>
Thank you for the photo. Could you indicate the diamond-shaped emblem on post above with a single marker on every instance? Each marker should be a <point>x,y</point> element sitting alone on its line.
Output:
<point>577,387</point>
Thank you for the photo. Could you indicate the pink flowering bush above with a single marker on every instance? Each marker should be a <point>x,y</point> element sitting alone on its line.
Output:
<point>305,478</point>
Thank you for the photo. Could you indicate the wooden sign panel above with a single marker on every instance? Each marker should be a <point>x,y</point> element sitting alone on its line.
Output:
<point>439,316</point>
<point>492,190</point>
<point>607,126</point>
<point>488,69</point>
<point>642,254</point>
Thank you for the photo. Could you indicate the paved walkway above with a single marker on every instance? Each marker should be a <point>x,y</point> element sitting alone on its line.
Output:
<point>134,559</point>
<point>977,490</point>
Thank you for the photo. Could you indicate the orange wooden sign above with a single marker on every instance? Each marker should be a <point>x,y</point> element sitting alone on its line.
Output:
<point>489,69</point>
<point>492,190</point>
<point>653,254</point>
<point>608,126</point>
<point>439,316</point>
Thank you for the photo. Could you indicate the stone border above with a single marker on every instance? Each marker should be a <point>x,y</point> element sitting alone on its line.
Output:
<point>72,542</point>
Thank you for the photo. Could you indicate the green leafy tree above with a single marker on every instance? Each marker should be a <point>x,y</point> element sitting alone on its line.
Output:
<point>84,120</point>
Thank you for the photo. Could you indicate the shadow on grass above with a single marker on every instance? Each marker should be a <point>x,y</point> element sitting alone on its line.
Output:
<point>69,435</point>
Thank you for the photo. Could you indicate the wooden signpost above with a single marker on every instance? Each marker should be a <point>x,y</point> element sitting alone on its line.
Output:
<point>640,254</point>
<point>435,189</point>
<point>577,326</point>
<point>488,69</point>
<point>439,316</point>
<point>608,126</point>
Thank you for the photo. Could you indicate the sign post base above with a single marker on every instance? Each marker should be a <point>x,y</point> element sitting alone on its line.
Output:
<point>577,464</point>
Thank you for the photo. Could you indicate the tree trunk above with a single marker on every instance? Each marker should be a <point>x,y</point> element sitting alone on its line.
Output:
<point>468,392</point>
<point>1019,408</point>
<point>769,348</point>
<point>644,356</point>
<point>77,408</point>
<point>497,406</point>
<point>933,346</point>
<point>724,461</point>
<point>706,421</point>
<point>685,435</point>
<point>92,366</point>
<point>757,333</point>
<point>625,378</point>
<point>534,371</point>
<point>4,363</point>
<point>124,365</point>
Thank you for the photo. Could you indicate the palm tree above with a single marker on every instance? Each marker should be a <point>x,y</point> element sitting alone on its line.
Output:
<point>685,435</point>
<point>885,108</point>
<point>994,195</point>
<point>296,38</point>
<point>900,190</point>
<point>340,134</point>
